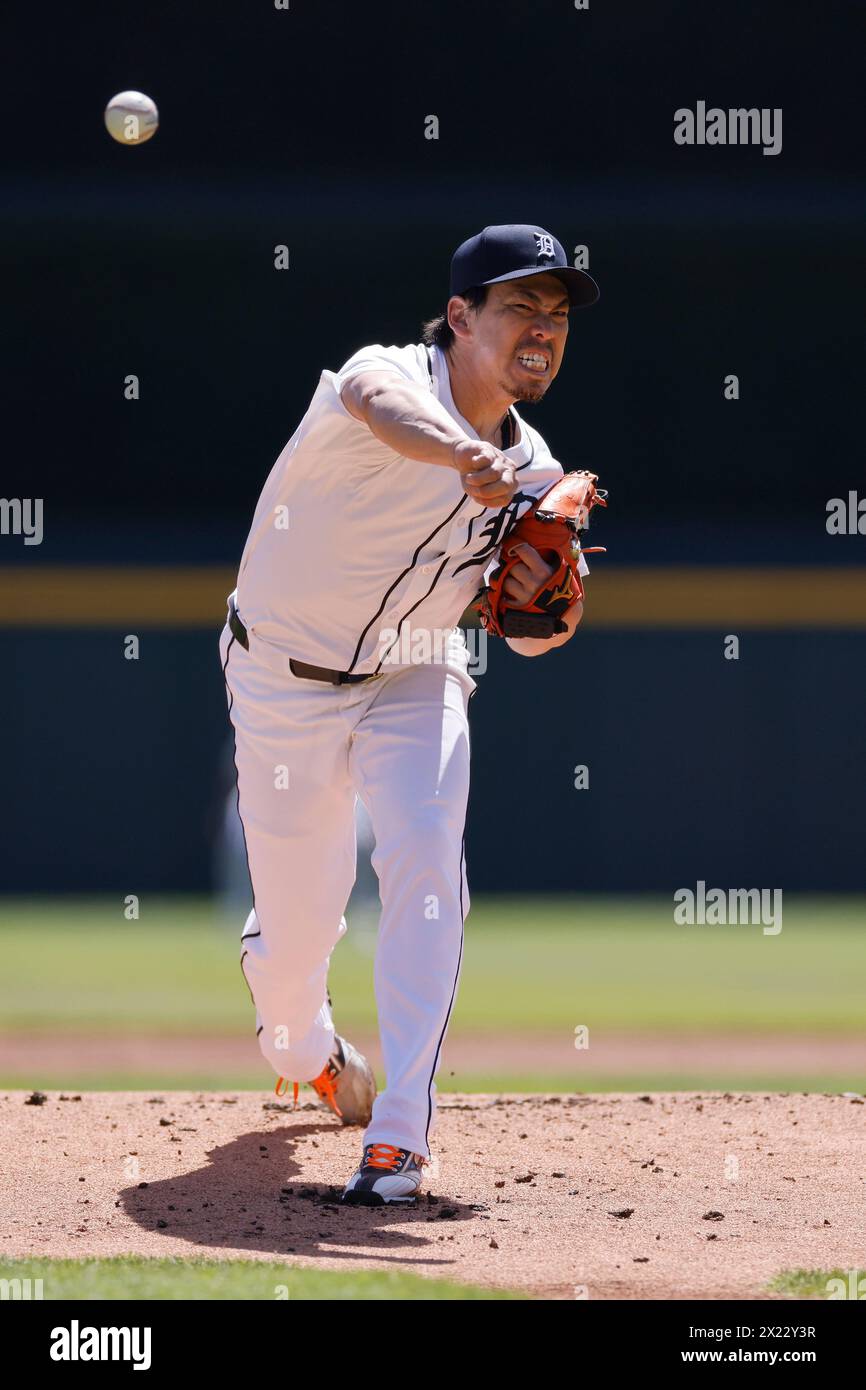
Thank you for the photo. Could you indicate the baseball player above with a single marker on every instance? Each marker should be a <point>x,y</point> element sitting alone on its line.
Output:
<point>383,519</point>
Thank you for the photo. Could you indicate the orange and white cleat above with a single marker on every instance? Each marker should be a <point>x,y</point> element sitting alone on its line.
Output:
<point>386,1174</point>
<point>346,1084</point>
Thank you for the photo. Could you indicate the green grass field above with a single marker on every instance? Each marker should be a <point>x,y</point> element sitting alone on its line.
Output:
<point>134,1277</point>
<point>530,965</point>
<point>813,1283</point>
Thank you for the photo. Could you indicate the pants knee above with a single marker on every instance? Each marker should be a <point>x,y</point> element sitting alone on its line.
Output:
<point>424,852</point>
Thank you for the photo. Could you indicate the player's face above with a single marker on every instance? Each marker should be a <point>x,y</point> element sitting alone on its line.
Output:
<point>522,328</point>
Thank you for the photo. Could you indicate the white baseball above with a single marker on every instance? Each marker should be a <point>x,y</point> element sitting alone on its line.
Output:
<point>131,118</point>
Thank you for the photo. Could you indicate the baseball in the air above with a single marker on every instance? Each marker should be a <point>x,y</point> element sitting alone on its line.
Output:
<point>131,118</point>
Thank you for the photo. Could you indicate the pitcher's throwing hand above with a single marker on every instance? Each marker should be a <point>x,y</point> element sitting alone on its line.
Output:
<point>488,476</point>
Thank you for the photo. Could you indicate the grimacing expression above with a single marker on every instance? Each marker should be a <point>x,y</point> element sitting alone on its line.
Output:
<point>521,330</point>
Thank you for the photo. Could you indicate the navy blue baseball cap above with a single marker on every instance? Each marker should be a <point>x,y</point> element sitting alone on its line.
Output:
<point>513,251</point>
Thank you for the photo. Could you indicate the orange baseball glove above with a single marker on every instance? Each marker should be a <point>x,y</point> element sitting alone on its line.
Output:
<point>553,526</point>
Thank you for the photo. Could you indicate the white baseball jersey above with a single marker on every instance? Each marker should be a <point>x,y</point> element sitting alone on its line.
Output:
<point>351,541</point>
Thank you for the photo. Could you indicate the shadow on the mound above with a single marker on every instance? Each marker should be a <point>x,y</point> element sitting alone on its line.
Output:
<point>251,1196</point>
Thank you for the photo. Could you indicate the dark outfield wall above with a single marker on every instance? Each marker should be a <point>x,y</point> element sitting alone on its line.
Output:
<point>697,282</point>
<point>743,773</point>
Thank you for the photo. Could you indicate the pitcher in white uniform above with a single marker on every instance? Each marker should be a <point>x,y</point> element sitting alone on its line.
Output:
<point>379,520</point>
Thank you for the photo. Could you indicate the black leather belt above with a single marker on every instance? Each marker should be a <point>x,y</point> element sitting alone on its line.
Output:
<point>298,668</point>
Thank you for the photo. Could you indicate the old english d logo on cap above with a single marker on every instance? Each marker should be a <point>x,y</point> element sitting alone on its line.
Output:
<point>513,251</point>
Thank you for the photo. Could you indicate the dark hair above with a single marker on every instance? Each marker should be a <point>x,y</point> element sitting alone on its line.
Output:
<point>437,332</point>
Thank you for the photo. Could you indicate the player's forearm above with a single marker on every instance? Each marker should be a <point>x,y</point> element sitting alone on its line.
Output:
<point>411,422</point>
<point>537,646</point>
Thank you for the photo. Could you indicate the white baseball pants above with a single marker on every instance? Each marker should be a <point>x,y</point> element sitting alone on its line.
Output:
<point>304,749</point>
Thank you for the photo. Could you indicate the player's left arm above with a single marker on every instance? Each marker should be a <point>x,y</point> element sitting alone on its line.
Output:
<point>524,580</point>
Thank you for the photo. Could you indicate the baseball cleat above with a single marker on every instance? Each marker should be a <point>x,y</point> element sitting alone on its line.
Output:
<point>386,1174</point>
<point>346,1084</point>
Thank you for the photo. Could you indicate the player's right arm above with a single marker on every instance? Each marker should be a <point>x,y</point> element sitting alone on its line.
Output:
<point>412,422</point>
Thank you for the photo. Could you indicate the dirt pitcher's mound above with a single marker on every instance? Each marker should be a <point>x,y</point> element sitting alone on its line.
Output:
<point>614,1196</point>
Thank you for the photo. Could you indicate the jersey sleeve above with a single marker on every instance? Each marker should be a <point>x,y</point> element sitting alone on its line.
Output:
<point>403,361</point>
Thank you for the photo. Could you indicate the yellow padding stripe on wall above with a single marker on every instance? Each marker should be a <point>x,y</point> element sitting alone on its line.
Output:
<point>693,596</point>
<point>727,597</point>
<point>157,596</point>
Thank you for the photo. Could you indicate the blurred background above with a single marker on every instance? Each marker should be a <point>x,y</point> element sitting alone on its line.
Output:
<point>305,127</point>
